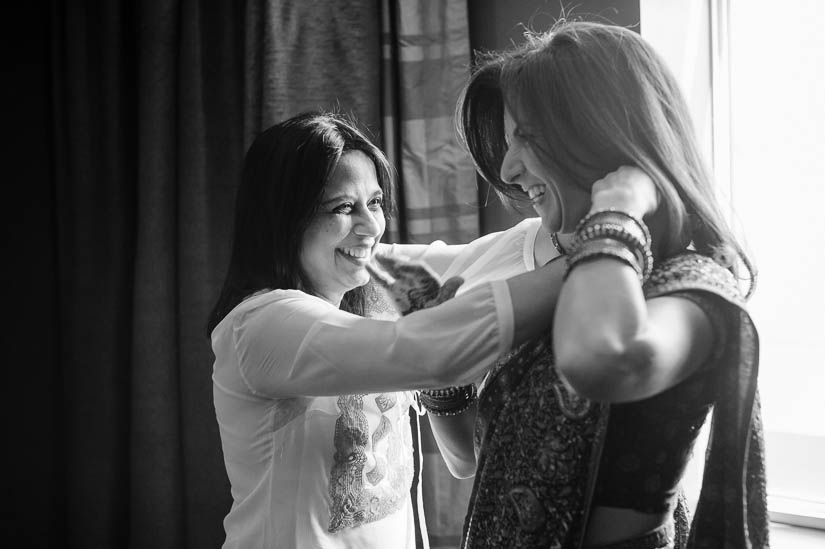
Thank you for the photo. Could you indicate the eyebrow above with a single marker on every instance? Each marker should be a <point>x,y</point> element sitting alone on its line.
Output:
<point>346,196</point>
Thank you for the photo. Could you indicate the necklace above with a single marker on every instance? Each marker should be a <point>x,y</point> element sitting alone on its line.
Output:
<point>554,238</point>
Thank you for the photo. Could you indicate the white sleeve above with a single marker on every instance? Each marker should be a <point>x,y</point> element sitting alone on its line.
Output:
<point>438,255</point>
<point>300,345</point>
<point>495,256</point>
<point>487,253</point>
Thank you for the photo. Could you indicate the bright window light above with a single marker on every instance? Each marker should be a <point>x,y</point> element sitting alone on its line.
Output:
<point>754,75</point>
<point>777,186</point>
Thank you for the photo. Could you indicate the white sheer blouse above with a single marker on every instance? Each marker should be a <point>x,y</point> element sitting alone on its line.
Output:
<point>311,468</point>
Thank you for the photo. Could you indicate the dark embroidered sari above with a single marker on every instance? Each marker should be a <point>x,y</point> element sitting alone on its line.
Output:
<point>539,445</point>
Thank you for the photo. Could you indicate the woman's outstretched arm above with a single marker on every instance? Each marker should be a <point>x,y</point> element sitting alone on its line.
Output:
<point>292,344</point>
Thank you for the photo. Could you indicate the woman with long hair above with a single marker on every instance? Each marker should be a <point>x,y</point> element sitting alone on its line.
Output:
<point>583,434</point>
<point>313,377</point>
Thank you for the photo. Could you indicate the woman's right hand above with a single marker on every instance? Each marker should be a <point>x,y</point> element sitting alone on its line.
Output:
<point>627,189</point>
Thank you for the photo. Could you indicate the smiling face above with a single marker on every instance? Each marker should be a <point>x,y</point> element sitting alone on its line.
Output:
<point>560,204</point>
<point>345,231</point>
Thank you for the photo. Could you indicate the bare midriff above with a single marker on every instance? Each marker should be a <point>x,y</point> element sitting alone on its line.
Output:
<point>612,524</point>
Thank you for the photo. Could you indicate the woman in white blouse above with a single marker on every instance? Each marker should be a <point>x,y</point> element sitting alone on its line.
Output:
<point>313,380</point>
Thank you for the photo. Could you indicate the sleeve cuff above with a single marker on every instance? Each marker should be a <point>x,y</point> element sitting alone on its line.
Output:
<point>504,312</point>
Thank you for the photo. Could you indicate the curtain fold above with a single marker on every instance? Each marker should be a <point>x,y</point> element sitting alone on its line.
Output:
<point>426,60</point>
<point>309,55</point>
<point>94,186</point>
<point>154,105</point>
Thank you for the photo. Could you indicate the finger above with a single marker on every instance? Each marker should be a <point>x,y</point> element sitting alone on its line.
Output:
<point>454,282</point>
<point>450,287</point>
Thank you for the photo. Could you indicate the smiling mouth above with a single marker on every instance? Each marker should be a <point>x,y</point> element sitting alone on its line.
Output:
<point>359,255</point>
<point>536,192</point>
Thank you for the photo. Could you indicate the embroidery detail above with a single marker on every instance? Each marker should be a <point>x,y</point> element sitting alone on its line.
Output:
<point>347,483</point>
<point>538,446</point>
<point>695,272</point>
<point>530,465</point>
<point>385,401</point>
<point>571,404</point>
<point>530,512</point>
<point>378,473</point>
<point>381,431</point>
<point>355,501</point>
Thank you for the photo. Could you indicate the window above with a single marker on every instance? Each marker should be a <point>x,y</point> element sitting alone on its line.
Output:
<point>777,186</point>
<point>754,75</point>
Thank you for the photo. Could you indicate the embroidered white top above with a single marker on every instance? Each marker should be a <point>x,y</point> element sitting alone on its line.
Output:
<point>309,468</point>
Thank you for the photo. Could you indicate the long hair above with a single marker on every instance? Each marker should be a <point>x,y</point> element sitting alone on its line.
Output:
<point>284,174</point>
<point>590,98</point>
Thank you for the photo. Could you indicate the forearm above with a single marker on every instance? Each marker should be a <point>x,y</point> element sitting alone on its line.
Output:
<point>454,436</point>
<point>331,352</point>
<point>599,327</point>
<point>437,255</point>
<point>534,296</point>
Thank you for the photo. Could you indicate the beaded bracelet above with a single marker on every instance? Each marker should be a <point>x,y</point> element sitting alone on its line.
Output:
<point>617,216</point>
<point>449,401</point>
<point>618,226</point>
<point>612,231</point>
<point>604,247</point>
<point>619,231</point>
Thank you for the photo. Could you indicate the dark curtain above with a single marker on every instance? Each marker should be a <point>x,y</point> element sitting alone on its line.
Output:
<point>130,120</point>
<point>147,109</point>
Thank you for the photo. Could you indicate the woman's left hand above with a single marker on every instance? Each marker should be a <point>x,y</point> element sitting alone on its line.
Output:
<point>412,286</point>
<point>627,189</point>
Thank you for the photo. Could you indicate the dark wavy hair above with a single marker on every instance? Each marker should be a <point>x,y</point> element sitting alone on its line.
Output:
<point>590,98</point>
<point>284,174</point>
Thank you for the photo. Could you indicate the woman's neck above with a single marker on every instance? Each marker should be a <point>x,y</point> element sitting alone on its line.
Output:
<point>543,248</point>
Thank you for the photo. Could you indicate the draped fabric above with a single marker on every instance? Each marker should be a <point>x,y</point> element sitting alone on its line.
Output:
<point>151,106</point>
<point>426,60</point>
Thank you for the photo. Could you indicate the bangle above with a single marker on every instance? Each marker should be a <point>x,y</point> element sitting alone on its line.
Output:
<point>619,228</point>
<point>449,401</point>
<point>619,231</point>
<point>619,217</point>
<point>604,247</point>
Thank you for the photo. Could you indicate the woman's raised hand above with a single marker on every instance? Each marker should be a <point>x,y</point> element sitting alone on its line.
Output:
<point>412,286</point>
<point>628,189</point>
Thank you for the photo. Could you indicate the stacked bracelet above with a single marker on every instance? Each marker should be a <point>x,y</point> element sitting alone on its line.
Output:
<point>617,216</point>
<point>616,234</point>
<point>605,247</point>
<point>449,401</point>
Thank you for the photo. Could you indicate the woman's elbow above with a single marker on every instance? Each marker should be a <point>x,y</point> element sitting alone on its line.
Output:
<point>605,373</point>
